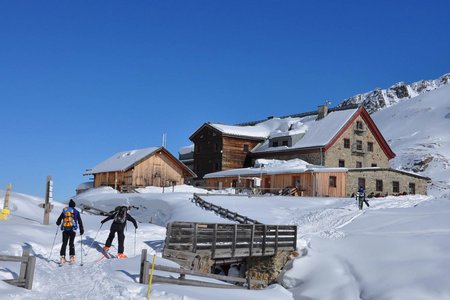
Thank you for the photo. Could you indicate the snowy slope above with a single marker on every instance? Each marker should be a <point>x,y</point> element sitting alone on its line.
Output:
<point>418,132</point>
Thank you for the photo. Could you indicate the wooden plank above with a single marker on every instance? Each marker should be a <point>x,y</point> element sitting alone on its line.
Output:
<point>23,265</point>
<point>13,258</point>
<point>189,282</point>
<point>194,239</point>
<point>213,248</point>
<point>29,274</point>
<point>251,239</point>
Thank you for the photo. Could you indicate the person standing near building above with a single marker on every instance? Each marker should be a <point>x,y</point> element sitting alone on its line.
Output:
<point>120,217</point>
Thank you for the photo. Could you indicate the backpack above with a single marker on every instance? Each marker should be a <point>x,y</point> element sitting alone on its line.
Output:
<point>121,214</point>
<point>69,222</point>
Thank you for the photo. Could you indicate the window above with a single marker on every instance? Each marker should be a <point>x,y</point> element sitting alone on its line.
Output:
<point>412,188</point>
<point>346,143</point>
<point>274,144</point>
<point>362,182</point>
<point>359,146</point>
<point>373,165</point>
<point>216,147</point>
<point>332,181</point>
<point>245,148</point>
<point>370,146</point>
<point>216,166</point>
<point>395,186</point>
<point>359,125</point>
<point>285,143</point>
<point>359,164</point>
<point>379,185</point>
<point>341,163</point>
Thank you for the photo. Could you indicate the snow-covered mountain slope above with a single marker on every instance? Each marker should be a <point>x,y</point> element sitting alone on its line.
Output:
<point>418,132</point>
<point>381,98</point>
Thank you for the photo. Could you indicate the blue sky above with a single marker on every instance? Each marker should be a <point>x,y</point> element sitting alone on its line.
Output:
<point>82,80</point>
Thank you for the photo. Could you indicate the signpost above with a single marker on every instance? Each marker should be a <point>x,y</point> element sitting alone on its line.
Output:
<point>47,206</point>
<point>5,211</point>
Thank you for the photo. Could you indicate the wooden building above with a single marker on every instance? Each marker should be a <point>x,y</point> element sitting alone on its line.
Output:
<point>312,180</point>
<point>153,166</point>
<point>306,179</point>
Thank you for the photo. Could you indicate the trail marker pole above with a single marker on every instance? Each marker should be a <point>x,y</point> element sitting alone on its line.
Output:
<point>47,206</point>
<point>5,211</point>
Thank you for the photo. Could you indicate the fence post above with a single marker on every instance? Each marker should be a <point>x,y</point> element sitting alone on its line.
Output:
<point>143,259</point>
<point>30,272</point>
<point>23,264</point>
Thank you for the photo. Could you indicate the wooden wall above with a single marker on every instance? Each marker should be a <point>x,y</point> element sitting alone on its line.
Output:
<point>311,184</point>
<point>214,152</point>
<point>234,156</point>
<point>207,151</point>
<point>157,170</point>
<point>108,179</point>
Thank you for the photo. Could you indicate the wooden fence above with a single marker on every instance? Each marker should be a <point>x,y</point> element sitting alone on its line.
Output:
<point>144,276</point>
<point>27,265</point>
<point>223,212</point>
<point>229,240</point>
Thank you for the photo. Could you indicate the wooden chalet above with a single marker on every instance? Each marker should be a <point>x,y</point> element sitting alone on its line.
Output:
<point>153,166</point>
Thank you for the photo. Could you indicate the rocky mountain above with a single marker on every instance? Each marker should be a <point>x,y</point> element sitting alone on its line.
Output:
<point>381,98</point>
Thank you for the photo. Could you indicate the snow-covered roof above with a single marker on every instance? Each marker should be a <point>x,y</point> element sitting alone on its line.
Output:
<point>315,132</point>
<point>274,166</point>
<point>121,161</point>
<point>311,132</point>
<point>186,149</point>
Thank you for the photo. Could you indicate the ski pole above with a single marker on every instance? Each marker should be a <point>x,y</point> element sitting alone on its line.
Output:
<point>90,246</point>
<point>81,244</point>
<point>54,239</point>
<point>134,241</point>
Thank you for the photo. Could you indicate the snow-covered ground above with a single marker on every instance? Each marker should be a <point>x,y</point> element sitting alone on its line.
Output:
<point>396,249</point>
<point>399,248</point>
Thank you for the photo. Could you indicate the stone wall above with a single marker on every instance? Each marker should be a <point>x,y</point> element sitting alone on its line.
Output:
<point>388,176</point>
<point>268,268</point>
<point>337,151</point>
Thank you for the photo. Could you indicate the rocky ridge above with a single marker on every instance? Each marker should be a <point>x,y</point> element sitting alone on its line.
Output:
<point>378,98</point>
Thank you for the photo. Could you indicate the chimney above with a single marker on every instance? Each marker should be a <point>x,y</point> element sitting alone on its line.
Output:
<point>322,111</point>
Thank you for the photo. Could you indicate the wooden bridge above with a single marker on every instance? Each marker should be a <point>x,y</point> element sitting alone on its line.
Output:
<point>186,243</point>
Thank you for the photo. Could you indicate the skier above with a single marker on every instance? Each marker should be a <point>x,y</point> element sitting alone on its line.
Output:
<point>361,197</point>
<point>69,220</point>
<point>119,217</point>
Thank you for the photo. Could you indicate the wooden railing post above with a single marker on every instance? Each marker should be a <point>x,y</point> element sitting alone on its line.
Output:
<point>213,248</point>
<point>194,238</point>
<point>29,274</point>
<point>23,264</point>
<point>252,236</point>
<point>141,271</point>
